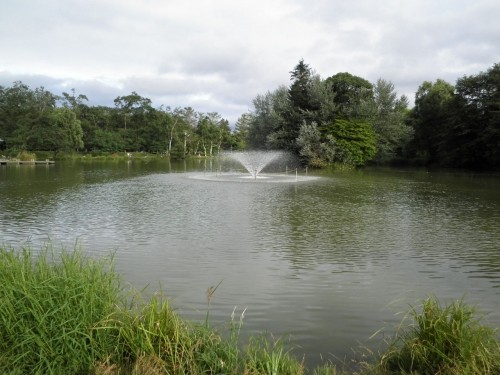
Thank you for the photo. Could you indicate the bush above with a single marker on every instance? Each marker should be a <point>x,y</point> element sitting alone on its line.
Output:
<point>26,156</point>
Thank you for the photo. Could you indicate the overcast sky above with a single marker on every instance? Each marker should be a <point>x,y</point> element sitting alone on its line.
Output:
<point>217,55</point>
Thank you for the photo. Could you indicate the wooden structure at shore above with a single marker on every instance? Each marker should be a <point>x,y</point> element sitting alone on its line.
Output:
<point>26,162</point>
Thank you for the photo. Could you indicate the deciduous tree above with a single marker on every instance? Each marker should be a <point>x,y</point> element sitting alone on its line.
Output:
<point>430,119</point>
<point>352,94</point>
<point>58,131</point>
<point>355,141</point>
<point>393,134</point>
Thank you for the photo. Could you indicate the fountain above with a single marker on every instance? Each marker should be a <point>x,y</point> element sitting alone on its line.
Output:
<point>254,163</point>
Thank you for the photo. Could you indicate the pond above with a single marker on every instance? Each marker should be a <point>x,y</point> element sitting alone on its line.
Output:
<point>328,261</point>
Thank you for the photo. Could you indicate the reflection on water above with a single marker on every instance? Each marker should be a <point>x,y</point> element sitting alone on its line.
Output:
<point>329,261</point>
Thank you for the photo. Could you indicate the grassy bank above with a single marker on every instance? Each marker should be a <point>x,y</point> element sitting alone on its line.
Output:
<point>64,313</point>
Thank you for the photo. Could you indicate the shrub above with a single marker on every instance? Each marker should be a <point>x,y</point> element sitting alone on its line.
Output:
<point>26,156</point>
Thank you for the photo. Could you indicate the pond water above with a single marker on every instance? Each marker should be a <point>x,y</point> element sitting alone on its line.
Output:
<point>328,261</point>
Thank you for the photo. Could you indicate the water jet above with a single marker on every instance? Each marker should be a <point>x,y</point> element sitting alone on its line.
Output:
<point>254,163</point>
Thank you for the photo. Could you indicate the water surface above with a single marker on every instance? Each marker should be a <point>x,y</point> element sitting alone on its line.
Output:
<point>328,261</point>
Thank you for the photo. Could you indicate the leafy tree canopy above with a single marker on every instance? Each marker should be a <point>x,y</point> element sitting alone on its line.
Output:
<point>351,92</point>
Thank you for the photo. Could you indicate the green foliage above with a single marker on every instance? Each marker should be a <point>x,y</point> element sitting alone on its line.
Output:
<point>31,120</point>
<point>266,355</point>
<point>451,126</point>
<point>300,89</point>
<point>64,132</point>
<point>316,151</point>
<point>241,131</point>
<point>429,119</point>
<point>328,121</point>
<point>329,369</point>
<point>309,142</point>
<point>132,108</point>
<point>49,311</point>
<point>355,141</point>
<point>26,156</point>
<point>153,335</point>
<point>443,340</point>
<point>323,96</point>
<point>267,120</point>
<point>293,110</point>
<point>106,141</point>
<point>473,136</point>
<point>213,132</point>
<point>152,338</point>
<point>351,94</point>
<point>393,134</point>
<point>22,108</point>
<point>458,126</point>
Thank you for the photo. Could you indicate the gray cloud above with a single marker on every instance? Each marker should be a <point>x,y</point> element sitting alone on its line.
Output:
<point>217,55</point>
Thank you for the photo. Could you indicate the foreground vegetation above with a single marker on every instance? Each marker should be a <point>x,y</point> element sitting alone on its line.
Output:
<point>65,313</point>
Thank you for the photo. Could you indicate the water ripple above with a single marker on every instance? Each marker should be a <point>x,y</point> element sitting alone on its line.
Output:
<point>328,261</point>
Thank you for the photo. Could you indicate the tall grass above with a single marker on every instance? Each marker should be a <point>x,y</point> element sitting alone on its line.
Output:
<point>266,355</point>
<point>49,311</point>
<point>154,339</point>
<point>65,313</point>
<point>442,340</point>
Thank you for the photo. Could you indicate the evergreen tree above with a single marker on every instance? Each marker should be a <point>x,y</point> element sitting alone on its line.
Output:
<point>302,105</point>
<point>241,131</point>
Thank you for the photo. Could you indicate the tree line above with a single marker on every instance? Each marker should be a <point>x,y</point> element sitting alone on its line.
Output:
<point>346,119</point>
<point>38,120</point>
<point>343,119</point>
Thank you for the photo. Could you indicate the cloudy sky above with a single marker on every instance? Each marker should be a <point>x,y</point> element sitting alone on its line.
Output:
<point>217,55</point>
